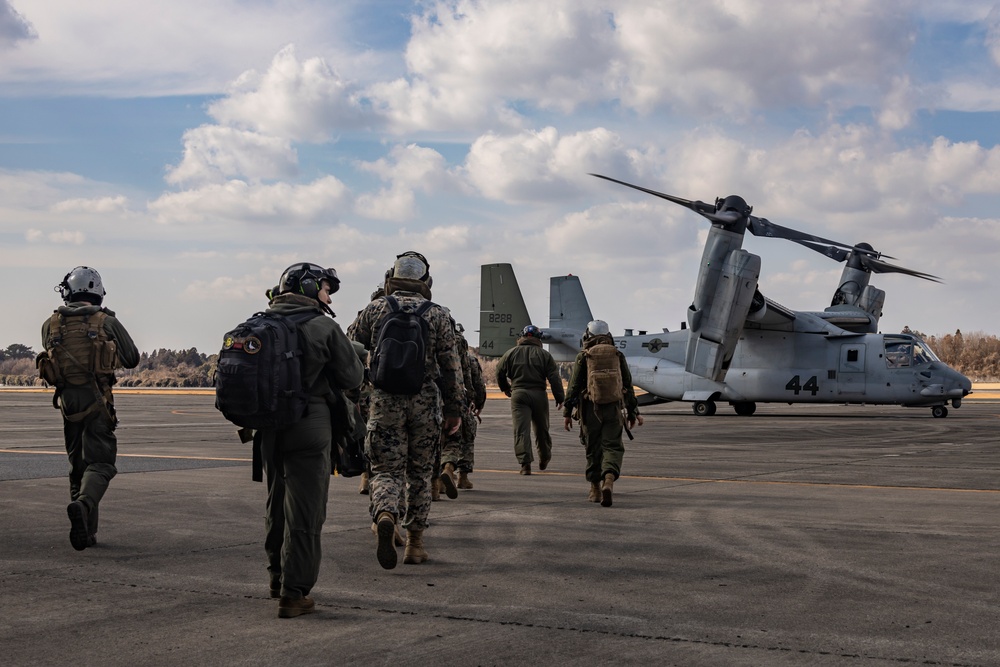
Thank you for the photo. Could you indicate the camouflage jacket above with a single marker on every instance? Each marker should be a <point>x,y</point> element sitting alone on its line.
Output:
<point>441,361</point>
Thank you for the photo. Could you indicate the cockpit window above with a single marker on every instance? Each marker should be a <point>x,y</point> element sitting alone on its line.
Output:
<point>923,354</point>
<point>898,353</point>
<point>906,350</point>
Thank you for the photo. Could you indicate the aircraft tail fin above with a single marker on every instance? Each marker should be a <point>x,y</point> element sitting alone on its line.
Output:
<point>569,314</point>
<point>502,313</point>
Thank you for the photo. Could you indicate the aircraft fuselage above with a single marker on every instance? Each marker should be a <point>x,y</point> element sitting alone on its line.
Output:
<point>811,362</point>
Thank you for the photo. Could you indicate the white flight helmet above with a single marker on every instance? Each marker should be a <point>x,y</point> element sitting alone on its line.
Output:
<point>597,328</point>
<point>81,280</point>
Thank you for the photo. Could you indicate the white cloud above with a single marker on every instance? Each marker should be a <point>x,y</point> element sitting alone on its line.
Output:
<point>64,237</point>
<point>971,95</point>
<point>301,101</point>
<point>117,204</point>
<point>471,62</point>
<point>14,27</point>
<point>733,57</point>
<point>247,287</point>
<point>120,47</point>
<point>407,169</point>
<point>35,189</point>
<point>282,203</point>
<point>543,166</point>
<point>992,22</point>
<point>213,153</point>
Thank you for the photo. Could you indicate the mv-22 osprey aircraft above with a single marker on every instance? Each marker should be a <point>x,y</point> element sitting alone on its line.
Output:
<point>739,346</point>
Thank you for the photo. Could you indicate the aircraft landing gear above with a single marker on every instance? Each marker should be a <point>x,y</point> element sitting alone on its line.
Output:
<point>939,411</point>
<point>704,408</point>
<point>745,408</point>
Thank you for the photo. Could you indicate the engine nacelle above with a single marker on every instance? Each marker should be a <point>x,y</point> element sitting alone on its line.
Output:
<point>720,321</point>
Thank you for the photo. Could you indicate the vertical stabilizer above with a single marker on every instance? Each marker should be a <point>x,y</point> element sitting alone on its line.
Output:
<point>502,313</point>
<point>569,314</point>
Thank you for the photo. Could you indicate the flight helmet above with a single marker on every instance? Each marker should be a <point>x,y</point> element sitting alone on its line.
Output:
<point>531,331</point>
<point>597,328</point>
<point>82,280</point>
<point>305,278</point>
<point>412,265</point>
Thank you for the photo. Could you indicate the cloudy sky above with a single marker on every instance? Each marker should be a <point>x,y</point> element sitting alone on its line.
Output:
<point>191,150</point>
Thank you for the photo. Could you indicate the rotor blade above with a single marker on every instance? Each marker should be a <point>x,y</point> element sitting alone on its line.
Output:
<point>764,227</point>
<point>699,207</point>
<point>878,266</point>
<point>837,254</point>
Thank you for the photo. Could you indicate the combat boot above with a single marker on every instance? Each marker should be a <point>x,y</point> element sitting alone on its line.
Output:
<point>526,469</point>
<point>289,608</point>
<point>365,486</point>
<point>415,552</point>
<point>79,532</point>
<point>396,537</point>
<point>386,530</point>
<point>595,492</point>
<point>609,485</point>
<point>463,481</point>
<point>448,481</point>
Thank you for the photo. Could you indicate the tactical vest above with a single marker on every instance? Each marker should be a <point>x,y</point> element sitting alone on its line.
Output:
<point>604,375</point>
<point>78,350</point>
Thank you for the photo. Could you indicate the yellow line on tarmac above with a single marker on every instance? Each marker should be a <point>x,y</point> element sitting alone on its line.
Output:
<point>492,394</point>
<point>138,456</point>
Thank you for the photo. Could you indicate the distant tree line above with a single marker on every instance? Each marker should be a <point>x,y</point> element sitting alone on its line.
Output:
<point>975,354</point>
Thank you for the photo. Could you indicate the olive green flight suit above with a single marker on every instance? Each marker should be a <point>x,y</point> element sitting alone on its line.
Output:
<point>528,365</point>
<point>296,459</point>
<point>601,426</point>
<point>91,444</point>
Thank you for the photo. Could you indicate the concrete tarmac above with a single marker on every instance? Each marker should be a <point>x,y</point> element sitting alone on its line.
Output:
<point>803,535</point>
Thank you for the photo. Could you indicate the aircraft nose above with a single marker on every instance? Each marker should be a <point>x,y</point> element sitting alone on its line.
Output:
<point>964,384</point>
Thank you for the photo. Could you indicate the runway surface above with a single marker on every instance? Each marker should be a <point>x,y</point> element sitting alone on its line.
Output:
<point>803,535</point>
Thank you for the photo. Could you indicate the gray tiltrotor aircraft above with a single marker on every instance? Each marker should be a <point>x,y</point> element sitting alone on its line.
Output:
<point>739,346</point>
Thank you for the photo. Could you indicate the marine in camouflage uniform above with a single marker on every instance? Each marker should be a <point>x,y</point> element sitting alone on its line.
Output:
<point>404,431</point>
<point>445,467</point>
<point>459,449</point>
<point>88,409</point>
<point>529,365</point>
<point>297,459</point>
<point>600,425</point>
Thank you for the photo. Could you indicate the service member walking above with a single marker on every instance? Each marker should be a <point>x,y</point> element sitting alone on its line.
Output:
<point>296,458</point>
<point>528,365</point>
<point>417,392</point>
<point>458,453</point>
<point>601,390</point>
<point>84,343</point>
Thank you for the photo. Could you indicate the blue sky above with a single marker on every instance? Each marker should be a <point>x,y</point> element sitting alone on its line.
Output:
<point>190,151</point>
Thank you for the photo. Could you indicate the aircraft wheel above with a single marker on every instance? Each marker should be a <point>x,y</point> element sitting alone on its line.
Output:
<point>704,408</point>
<point>939,411</point>
<point>745,408</point>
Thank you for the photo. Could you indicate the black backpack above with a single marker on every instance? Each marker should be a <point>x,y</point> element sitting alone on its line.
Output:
<point>397,364</point>
<point>258,383</point>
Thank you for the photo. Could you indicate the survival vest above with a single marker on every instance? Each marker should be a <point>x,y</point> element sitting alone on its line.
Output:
<point>258,382</point>
<point>78,352</point>
<point>604,375</point>
<point>398,361</point>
